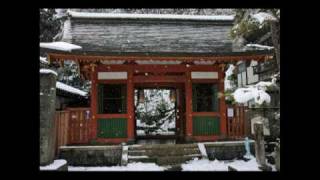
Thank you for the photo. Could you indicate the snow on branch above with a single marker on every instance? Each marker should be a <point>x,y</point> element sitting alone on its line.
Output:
<point>62,46</point>
<point>228,83</point>
<point>44,60</point>
<point>47,71</point>
<point>261,17</point>
<point>259,46</point>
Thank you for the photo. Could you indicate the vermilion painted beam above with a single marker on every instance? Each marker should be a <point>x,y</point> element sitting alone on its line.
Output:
<point>155,79</point>
<point>130,58</point>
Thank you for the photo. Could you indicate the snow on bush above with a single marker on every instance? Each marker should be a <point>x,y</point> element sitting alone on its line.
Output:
<point>256,92</point>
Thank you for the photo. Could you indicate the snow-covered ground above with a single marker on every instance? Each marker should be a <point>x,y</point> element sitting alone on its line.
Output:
<point>55,165</point>
<point>193,165</point>
<point>130,167</point>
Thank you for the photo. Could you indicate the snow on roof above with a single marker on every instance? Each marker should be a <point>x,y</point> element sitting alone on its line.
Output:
<point>150,16</point>
<point>46,71</point>
<point>260,46</point>
<point>62,46</point>
<point>70,89</point>
<point>44,60</point>
<point>263,16</point>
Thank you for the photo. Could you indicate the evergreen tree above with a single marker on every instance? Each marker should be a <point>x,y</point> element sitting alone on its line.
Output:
<point>156,112</point>
<point>50,26</point>
<point>248,27</point>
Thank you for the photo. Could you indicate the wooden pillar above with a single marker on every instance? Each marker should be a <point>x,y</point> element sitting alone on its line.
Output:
<point>223,108</point>
<point>93,125</point>
<point>259,144</point>
<point>130,105</point>
<point>188,89</point>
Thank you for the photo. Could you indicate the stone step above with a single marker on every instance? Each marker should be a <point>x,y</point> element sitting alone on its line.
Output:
<point>142,159</point>
<point>161,146</point>
<point>164,152</point>
<point>165,160</point>
<point>175,160</point>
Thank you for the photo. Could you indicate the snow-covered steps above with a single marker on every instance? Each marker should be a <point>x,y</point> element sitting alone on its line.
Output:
<point>163,154</point>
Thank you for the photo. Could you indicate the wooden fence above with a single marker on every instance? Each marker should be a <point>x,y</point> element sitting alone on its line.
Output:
<point>72,127</point>
<point>236,125</point>
<point>61,129</point>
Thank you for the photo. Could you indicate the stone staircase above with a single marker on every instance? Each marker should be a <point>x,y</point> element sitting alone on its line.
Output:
<point>163,154</point>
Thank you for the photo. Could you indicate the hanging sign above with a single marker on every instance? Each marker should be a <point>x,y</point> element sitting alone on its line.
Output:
<point>230,112</point>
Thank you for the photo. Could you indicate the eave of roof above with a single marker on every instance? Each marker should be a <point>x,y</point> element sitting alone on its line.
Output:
<point>186,57</point>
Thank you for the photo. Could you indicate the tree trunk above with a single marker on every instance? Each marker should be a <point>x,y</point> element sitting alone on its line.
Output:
<point>275,34</point>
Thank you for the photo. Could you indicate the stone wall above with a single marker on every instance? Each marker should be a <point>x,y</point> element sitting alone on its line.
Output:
<point>91,155</point>
<point>47,113</point>
<point>227,150</point>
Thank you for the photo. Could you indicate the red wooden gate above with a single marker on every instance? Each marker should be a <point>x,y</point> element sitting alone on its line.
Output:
<point>236,124</point>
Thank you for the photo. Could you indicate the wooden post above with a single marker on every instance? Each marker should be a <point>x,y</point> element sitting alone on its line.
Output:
<point>223,108</point>
<point>130,106</point>
<point>93,132</point>
<point>188,89</point>
<point>259,143</point>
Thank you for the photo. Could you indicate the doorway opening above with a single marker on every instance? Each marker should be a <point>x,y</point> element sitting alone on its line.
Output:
<point>155,112</point>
